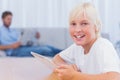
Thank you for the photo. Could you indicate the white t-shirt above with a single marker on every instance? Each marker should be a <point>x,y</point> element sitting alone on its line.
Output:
<point>101,58</point>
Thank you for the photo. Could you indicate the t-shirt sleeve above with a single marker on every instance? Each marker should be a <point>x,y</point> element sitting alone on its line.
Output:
<point>68,54</point>
<point>111,61</point>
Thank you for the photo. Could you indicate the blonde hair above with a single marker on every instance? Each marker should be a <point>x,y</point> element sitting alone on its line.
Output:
<point>87,9</point>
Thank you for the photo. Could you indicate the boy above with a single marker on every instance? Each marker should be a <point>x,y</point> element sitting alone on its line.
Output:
<point>94,56</point>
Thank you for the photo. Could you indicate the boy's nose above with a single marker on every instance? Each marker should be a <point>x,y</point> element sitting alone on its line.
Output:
<point>78,28</point>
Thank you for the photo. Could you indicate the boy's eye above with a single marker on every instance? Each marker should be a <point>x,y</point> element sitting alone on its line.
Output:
<point>73,24</point>
<point>84,23</point>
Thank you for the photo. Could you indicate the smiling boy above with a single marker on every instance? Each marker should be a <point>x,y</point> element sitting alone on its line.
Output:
<point>94,56</point>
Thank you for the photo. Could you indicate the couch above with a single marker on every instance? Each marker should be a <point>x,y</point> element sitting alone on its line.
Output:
<point>57,37</point>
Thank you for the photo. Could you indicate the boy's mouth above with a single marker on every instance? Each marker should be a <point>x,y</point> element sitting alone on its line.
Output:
<point>79,36</point>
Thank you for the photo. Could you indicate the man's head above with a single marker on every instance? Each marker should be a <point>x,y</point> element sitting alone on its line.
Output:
<point>7,18</point>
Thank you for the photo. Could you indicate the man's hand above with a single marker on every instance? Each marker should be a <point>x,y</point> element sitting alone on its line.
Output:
<point>14,45</point>
<point>37,35</point>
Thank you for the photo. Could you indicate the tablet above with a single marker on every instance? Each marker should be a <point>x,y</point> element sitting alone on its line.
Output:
<point>44,60</point>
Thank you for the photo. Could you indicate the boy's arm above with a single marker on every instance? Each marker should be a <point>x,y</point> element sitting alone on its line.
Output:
<point>104,76</point>
<point>66,72</point>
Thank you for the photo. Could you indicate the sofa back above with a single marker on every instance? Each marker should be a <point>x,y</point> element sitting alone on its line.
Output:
<point>57,37</point>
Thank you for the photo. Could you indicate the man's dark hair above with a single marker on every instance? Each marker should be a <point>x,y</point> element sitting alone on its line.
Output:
<point>6,13</point>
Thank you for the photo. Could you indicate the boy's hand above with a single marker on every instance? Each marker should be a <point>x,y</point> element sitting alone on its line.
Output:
<point>75,67</point>
<point>66,72</point>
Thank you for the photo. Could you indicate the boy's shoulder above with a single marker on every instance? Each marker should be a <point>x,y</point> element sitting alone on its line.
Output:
<point>104,42</point>
<point>104,45</point>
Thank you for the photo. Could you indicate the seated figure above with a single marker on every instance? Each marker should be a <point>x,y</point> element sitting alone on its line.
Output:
<point>10,41</point>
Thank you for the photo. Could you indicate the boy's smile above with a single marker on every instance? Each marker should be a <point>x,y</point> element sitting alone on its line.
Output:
<point>79,37</point>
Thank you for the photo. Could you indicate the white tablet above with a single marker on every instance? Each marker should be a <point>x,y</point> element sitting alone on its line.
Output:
<point>44,60</point>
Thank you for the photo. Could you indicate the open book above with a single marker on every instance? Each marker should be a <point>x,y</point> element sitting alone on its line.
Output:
<point>44,60</point>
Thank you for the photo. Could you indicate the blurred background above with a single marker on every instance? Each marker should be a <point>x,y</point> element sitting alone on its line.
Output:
<point>50,19</point>
<point>55,13</point>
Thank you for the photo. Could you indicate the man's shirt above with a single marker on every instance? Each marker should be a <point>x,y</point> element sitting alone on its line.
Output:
<point>8,36</point>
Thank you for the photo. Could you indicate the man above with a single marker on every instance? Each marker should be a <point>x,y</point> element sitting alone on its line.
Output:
<point>10,43</point>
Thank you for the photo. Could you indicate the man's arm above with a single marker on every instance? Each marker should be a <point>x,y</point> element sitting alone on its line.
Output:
<point>104,76</point>
<point>11,46</point>
<point>2,47</point>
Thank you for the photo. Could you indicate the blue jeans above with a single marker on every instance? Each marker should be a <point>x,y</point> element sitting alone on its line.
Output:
<point>45,50</point>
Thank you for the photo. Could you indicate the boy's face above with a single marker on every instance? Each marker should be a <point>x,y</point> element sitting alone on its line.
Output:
<point>82,31</point>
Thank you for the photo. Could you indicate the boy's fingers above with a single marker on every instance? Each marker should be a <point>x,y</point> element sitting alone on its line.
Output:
<point>68,66</point>
<point>75,67</point>
<point>57,70</point>
<point>63,66</point>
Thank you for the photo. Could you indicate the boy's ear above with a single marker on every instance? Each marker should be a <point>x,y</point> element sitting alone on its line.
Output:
<point>96,29</point>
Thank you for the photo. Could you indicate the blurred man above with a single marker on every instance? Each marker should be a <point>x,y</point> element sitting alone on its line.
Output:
<point>10,43</point>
